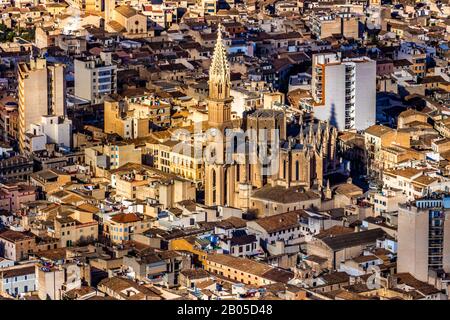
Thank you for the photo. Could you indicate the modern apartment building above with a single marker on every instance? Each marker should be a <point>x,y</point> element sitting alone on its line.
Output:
<point>95,77</point>
<point>424,236</point>
<point>42,91</point>
<point>344,90</point>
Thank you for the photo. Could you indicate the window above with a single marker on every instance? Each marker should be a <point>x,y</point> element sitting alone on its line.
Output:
<point>104,80</point>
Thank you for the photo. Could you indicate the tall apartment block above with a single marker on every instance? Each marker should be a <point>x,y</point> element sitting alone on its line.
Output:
<point>95,77</point>
<point>424,237</point>
<point>42,91</point>
<point>344,90</point>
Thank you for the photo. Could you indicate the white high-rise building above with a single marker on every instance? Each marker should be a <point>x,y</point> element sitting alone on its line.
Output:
<point>424,236</point>
<point>41,91</point>
<point>95,77</point>
<point>344,90</point>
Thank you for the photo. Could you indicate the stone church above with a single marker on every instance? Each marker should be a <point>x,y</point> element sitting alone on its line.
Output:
<point>232,173</point>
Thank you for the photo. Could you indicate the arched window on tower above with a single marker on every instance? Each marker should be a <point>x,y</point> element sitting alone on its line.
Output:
<point>297,171</point>
<point>213,178</point>
<point>225,187</point>
<point>284,169</point>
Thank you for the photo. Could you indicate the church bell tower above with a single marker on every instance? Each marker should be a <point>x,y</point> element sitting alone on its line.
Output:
<point>220,177</point>
<point>219,100</point>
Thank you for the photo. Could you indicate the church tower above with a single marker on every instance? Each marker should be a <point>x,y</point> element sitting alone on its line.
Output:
<point>219,100</point>
<point>220,177</point>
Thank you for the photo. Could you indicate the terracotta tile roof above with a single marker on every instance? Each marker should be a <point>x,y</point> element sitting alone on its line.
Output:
<point>377,130</point>
<point>244,264</point>
<point>405,173</point>
<point>409,280</point>
<point>348,240</point>
<point>195,273</point>
<point>424,180</point>
<point>280,221</point>
<point>232,222</point>
<point>125,218</point>
<point>13,236</point>
<point>362,259</point>
<point>281,194</point>
<point>116,26</point>
<point>254,267</point>
<point>411,112</point>
<point>333,231</point>
<point>120,286</point>
<point>345,295</point>
<point>335,278</point>
<point>348,189</point>
<point>88,208</point>
<point>126,11</point>
<point>17,272</point>
<point>54,254</point>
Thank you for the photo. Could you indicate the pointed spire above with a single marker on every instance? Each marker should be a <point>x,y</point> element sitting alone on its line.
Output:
<point>319,131</point>
<point>335,132</point>
<point>219,64</point>
<point>219,71</point>
<point>311,137</point>
<point>301,136</point>
<point>219,32</point>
